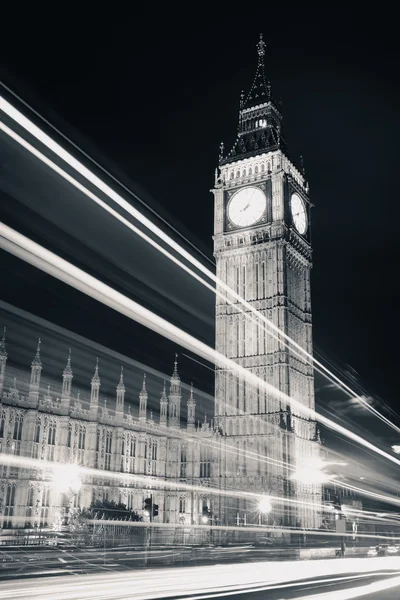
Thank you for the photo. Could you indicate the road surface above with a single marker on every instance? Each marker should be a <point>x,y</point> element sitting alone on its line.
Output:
<point>331,579</point>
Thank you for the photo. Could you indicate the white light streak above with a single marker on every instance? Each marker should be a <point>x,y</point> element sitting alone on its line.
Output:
<point>40,257</point>
<point>35,131</point>
<point>192,581</point>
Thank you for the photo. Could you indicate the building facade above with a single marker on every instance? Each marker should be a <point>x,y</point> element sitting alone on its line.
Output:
<point>257,440</point>
<point>262,248</point>
<point>118,457</point>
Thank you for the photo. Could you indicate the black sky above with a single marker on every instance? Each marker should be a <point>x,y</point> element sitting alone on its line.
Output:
<point>152,97</point>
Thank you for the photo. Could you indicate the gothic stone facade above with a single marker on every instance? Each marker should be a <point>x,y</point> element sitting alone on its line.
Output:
<point>142,457</point>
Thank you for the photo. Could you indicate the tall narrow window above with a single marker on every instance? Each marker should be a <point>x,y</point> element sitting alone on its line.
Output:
<point>263,280</point>
<point>237,281</point>
<point>183,462</point>
<point>18,428</point>
<point>257,280</point>
<point>244,282</point>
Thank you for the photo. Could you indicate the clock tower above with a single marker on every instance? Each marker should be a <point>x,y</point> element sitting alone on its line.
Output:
<point>262,247</point>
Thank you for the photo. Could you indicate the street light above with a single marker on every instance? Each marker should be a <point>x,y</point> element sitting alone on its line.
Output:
<point>264,505</point>
<point>66,479</point>
<point>313,472</point>
<point>67,482</point>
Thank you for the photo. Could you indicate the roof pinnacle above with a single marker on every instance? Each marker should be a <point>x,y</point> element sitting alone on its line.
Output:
<point>261,47</point>
<point>120,385</point>
<point>96,378</point>
<point>68,370</point>
<point>143,391</point>
<point>175,374</point>
<point>36,361</point>
<point>191,397</point>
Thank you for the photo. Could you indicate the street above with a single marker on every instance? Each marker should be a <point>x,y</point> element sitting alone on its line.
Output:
<point>114,579</point>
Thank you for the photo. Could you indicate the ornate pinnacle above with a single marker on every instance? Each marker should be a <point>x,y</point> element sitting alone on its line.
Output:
<point>36,361</point>
<point>175,374</point>
<point>68,370</point>
<point>164,392</point>
<point>191,398</point>
<point>261,46</point>
<point>120,386</point>
<point>143,391</point>
<point>3,351</point>
<point>221,151</point>
<point>96,378</point>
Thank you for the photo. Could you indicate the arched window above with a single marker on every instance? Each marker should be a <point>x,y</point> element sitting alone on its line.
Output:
<point>51,438</point>
<point>18,428</point>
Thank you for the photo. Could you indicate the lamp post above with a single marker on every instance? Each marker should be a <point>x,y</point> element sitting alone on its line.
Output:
<point>264,508</point>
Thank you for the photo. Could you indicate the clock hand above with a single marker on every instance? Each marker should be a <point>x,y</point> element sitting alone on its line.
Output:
<point>246,207</point>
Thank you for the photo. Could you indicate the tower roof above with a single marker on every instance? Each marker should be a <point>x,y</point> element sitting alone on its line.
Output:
<point>260,121</point>
<point>260,91</point>
<point>36,361</point>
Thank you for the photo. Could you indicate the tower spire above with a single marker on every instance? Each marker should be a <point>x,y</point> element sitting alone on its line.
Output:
<point>260,90</point>
<point>259,129</point>
<point>191,409</point>
<point>66,385</point>
<point>119,405</point>
<point>94,392</point>
<point>36,361</point>
<point>163,406</point>
<point>143,396</point>
<point>36,369</point>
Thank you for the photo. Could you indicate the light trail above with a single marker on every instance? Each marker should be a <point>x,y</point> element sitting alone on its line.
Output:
<point>127,223</point>
<point>36,132</point>
<point>194,581</point>
<point>49,262</point>
<point>99,166</point>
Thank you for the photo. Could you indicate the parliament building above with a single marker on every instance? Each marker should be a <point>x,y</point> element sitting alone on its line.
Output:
<point>257,438</point>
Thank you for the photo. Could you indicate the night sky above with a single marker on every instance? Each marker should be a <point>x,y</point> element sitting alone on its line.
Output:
<point>151,100</point>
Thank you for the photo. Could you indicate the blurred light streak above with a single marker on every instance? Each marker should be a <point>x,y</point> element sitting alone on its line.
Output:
<point>311,582</point>
<point>49,262</point>
<point>363,590</point>
<point>171,583</point>
<point>99,166</point>
<point>148,481</point>
<point>80,168</point>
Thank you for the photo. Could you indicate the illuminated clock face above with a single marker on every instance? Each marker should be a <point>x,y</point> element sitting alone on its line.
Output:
<point>247,207</point>
<point>299,214</point>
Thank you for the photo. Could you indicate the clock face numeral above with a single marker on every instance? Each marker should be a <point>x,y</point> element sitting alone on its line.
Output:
<point>247,206</point>
<point>299,215</point>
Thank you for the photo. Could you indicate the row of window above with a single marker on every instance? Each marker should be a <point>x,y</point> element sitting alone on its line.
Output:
<point>249,172</point>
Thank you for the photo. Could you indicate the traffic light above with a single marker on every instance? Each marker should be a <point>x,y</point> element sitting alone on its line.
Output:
<point>148,505</point>
<point>155,510</point>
